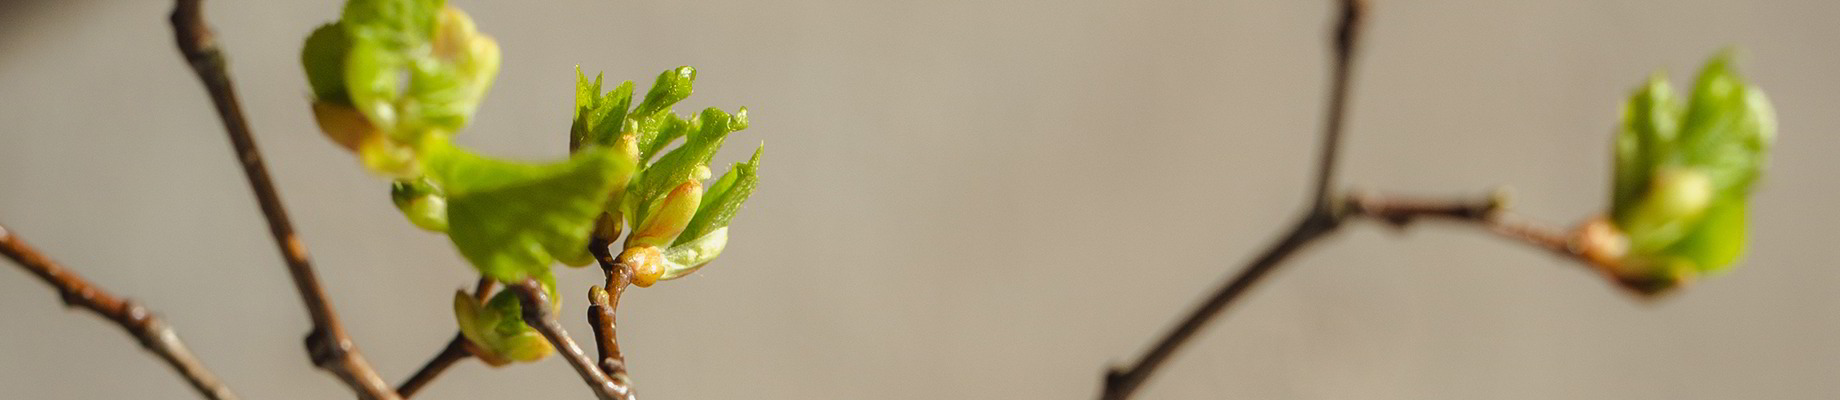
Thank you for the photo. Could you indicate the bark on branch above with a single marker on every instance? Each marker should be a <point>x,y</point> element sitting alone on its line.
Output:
<point>539,315</point>
<point>150,330</point>
<point>328,346</point>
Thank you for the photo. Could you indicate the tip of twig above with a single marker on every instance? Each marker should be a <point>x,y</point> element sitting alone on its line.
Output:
<point>1353,13</point>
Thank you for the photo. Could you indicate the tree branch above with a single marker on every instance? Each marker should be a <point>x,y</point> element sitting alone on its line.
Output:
<point>328,345</point>
<point>1493,216</point>
<point>1347,35</point>
<point>1121,383</point>
<point>538,314</point>
<point>603,303</point>
<point>456,349</point>
<point>153,333</point>
<point>450,355</point>
<point>1321,219</point>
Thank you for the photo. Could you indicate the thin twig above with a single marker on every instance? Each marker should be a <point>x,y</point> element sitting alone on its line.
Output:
<point>327,345</point>
<point>153,333</point>
<point>539,315</point>
<point>453,353</point>
<point>1321,219</point>
<point>1347,36</point>
<point>1121,383</point>
<point>456,349</point>
<point>1492,216</point>
<point>604,303</point>
<point>1490,213</point>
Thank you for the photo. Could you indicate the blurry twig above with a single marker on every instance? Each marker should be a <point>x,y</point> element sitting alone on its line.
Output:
<point>153,333</point>
<point>1322,218</point>
<point>1328,212</point>
<point>327,344</point>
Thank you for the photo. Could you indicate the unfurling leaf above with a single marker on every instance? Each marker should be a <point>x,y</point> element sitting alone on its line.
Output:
<point>682,163</point>
<point>497,329</point>
<point>406,68</point>
<point>512,219</point>
<point>1684,175</point>
<point>688,256</point>
<point>724,199</point>
<point>324,59</point>
<point>421,202</point>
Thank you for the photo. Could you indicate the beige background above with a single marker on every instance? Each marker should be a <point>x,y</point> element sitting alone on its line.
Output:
<point>961,199</point>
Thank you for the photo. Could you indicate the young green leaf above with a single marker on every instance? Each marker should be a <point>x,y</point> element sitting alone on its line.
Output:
<point>421,202</point>
<point>1684,174</point>
<point>599,118</point>
<point>688,256</point>
<point>724,199</point>
<point>497,329</point>
<point>512,219</point>
<point>672,86</point>
<point>324,59</point>
<point>654,133</point>
<point>397,23</point>
<point>1650,120</point>
<point>373,81</point>
<point>681,164</point>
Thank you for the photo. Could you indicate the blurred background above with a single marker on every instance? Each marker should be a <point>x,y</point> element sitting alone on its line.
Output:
<point>961,199</point>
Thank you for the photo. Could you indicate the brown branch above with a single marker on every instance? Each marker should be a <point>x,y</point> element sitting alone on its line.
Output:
<point>1321,219</point>
<point>328,345</point>
<point>1121,383</point>
<point>539,315</point>
<point>604,302</point>
<point>1346,45</point>
<point>1400,212</point>
<point>1580,246</point>
<point>1490,213</point>
<point>450,355</point>
<point>153,333</point>
<point>456,349</point>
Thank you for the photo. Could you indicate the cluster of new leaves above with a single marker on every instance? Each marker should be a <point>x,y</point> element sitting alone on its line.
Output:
<point>1684,174</point>
<point>678,224</point>
<point>393,80</point>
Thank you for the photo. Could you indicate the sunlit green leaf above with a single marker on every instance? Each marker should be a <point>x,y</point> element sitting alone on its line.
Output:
<point>681,164</point>
<point>724,199</point>
<point>512,219</point>
<point>671,87</point>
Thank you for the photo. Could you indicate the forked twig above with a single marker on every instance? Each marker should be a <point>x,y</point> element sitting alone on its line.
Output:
<point>1322,218</point>
<point>539,315</point>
